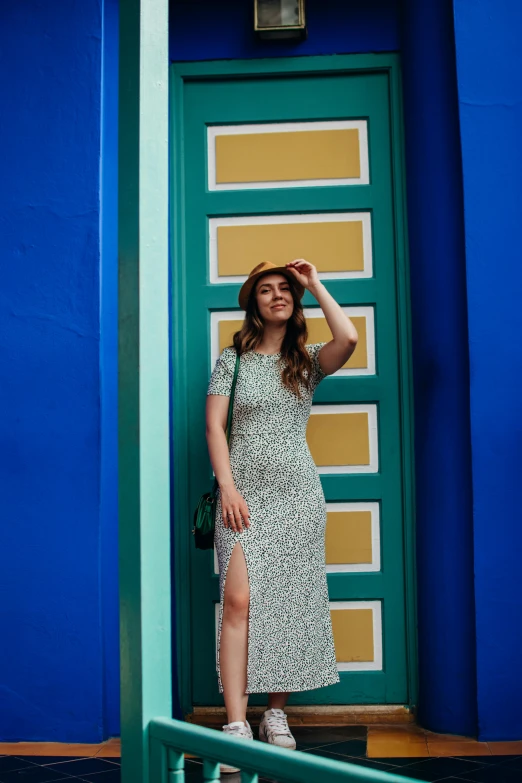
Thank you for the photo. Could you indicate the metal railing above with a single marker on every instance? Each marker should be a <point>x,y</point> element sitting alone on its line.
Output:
<point>171,739</point>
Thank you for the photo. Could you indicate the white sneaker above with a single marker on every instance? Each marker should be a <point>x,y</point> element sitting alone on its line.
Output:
<point>236,729</point>
<point>274,729</point>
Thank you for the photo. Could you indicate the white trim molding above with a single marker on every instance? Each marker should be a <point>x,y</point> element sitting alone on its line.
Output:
<point>288,127</point>
<point>362,666</point>
<point>375,563</point>
<point>371,410</point>
<point>290,220</point>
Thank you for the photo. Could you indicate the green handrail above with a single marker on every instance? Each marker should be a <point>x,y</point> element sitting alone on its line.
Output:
<point>171,739</point>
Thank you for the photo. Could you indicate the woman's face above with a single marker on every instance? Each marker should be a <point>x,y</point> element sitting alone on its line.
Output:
<point>274,298</point>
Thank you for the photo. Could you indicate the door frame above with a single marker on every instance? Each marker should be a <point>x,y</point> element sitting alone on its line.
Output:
<point>181,510</point>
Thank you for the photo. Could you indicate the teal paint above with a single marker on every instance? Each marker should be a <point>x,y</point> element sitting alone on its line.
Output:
<point>181,660</point>
<point>171,739</point>
<point>143,363</point>
<point>196,104</point>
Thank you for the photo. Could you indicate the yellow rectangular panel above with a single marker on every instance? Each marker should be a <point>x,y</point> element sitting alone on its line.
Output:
<point>348,537</point>
<point>319,332</point>
<point>291,156</point>
<point>226,330</point>
<point>339,438</point>
<point>331,247</point>
<point>353,634</point>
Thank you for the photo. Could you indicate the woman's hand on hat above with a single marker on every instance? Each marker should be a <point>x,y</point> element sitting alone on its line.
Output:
<point>304,272</point>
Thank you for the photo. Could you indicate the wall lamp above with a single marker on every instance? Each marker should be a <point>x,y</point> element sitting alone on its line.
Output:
<point>279,18</point>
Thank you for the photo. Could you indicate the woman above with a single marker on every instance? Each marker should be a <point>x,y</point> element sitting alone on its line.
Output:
<point>274,628</point>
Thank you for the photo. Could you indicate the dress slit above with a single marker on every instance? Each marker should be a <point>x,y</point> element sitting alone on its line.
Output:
<point>220,618</point>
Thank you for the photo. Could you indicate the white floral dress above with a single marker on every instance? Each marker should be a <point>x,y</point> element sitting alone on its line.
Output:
<point>290,642</point>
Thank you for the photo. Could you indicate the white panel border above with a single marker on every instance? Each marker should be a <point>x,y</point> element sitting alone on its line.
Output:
<point>287,127</point>
<point>371,410</point>
<point>309,312</point>
<point>375,564</point>
<point>369,314</point>
<point>215,318</point>
<point>267,220</point>
<point>362,666</point>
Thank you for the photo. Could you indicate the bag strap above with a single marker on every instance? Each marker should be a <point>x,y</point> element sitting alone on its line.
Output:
<point>230,413</point>
<point>231,403</point>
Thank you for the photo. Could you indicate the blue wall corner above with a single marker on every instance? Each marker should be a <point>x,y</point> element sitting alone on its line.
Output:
<point>52,664</point>
<point>490,103</point>
<point>446,633</point>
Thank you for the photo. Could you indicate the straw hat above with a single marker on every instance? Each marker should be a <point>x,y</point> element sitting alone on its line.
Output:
<point>262,269</point>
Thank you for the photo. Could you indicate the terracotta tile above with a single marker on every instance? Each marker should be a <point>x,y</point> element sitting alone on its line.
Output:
<point>431,736</point>
<point>468,748</point>
<point>78,750</point>
<point>107,751</point>
<point>505,748</point>
<point>47,749</point>
<point>384,748</point>
<point>405,739</point>
<point>407,730</point>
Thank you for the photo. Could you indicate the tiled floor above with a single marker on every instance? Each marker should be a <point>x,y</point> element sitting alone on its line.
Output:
<point>43,769</point>
<point>406,750</point>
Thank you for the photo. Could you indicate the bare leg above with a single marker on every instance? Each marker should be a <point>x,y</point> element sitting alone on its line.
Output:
<point>277,701</point>
<point>233,652</point>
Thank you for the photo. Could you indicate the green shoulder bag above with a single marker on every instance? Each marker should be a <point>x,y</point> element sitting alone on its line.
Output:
<point>205,513</point>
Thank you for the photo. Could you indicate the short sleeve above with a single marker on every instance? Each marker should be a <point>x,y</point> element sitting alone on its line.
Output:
<point>317,372</point>
<point>223,373</point>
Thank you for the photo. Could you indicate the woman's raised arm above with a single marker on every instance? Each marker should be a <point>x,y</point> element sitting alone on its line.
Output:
<point>338,350</point>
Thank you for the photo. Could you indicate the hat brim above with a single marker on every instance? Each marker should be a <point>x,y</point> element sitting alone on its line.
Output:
<point>248,285</point>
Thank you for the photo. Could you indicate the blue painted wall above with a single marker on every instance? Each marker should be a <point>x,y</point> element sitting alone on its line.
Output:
<point>423,31</point>
<point>58,66</point>
<point>53,650</point>
<point>109,371</point>
<point>447,682</point>
<point>489,71</point>
<point>210,30</point>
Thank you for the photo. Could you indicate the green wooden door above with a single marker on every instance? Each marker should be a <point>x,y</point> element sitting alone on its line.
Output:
<point>282,166</point>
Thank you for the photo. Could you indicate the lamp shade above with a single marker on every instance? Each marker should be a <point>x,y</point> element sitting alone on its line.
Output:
<point>280,18</point>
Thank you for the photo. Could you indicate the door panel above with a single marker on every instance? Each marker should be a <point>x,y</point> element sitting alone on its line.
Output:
<point>300,166</point>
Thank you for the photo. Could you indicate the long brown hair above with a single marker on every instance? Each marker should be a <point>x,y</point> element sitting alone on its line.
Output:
<point>297,363</point>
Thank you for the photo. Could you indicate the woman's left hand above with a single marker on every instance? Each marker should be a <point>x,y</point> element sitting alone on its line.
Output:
<point>304,272</point>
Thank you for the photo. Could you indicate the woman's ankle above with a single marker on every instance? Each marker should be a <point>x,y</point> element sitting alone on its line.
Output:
<point>234,719</point>
<point>277,703</point>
